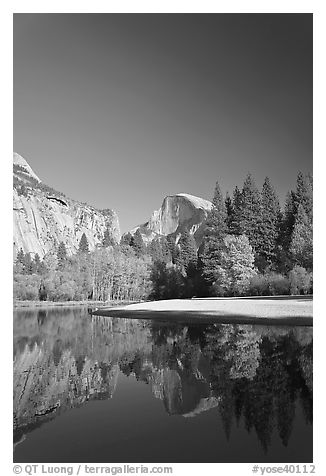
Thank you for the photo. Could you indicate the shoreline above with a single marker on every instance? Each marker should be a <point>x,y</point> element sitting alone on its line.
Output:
<point>31,304</point>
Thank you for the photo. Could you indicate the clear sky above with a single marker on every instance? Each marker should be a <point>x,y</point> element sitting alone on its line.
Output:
<point>120,110</point>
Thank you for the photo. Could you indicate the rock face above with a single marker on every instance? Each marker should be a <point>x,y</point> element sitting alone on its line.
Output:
<point>44,217</point>
<point>177,213</point>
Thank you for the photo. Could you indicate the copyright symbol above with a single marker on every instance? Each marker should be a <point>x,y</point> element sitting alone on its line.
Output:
<point>17,469</point>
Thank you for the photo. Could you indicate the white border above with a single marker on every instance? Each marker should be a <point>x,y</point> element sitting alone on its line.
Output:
<point>60,6</point>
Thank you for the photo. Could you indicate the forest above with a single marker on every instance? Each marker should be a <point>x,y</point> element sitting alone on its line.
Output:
<point>251,246</point>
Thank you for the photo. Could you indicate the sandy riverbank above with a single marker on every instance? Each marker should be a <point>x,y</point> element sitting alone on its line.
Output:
<point>271,310</point>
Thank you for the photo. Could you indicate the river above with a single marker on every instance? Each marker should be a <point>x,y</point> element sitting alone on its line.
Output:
<point>100,389</point>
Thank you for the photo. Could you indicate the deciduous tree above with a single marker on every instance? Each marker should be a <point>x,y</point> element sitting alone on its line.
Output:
<point>233,272</point>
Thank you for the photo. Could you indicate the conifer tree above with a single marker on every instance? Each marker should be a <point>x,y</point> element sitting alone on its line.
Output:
<point>155,250</point>
<point>165,249</point>
<point>188,251</point>
<point>304,194</point>
<point>229,210</point>
<point>137,243</point>
<point>61,253</point>
<point>234,214</point>
<point>83,244</point>
<point>215,231</point>
<point>287,222</point>
<point>173,248</point>
<point>251,214</point>
<point>159,250</point>
<point>301,247</point>
<point>107,238</point>
<point>270,222</point>
<point>28,264</point>
<point>288,243</point>
<point>20,256</point>
<point>216,220</point>
<point>126,239</point>
<point>37,263</point>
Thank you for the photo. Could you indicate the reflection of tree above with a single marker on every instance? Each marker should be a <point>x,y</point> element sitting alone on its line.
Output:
<point>305,394</point>
<point>57,351</point>
<point>258,406</point>
<point>259,379</point>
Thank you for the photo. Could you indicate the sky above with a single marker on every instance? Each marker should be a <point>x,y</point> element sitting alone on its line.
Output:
<point>120,110</point>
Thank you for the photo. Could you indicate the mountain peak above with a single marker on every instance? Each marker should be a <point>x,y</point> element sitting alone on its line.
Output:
<point>178,213</point>
<point>198,202</point>
<point>21,162</point>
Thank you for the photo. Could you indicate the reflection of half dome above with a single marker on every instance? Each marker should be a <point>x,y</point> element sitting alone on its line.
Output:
<point>204,405</point>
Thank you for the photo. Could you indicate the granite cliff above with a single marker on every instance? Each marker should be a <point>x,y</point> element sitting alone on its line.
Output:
<point>44,217</point>
<point>178,213</point>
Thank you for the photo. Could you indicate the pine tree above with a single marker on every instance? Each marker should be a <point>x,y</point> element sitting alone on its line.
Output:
<point>28,264</point>
<point>251,215</point>
<point>304,194</point>
<point>155,250</point>
<point>126,239</point>
<point>165,249</point>
<point>188,251</point>
<point>234,215</point>
<point>61,253</point>
<point>37,263</point>
<point>215,231</point>
<point>83,244</point>
<point>137,243</point>
<point>287,222</point>
<point>159,250</point>
<point>270,222</point>
<point>229,211</point>
<point>173,248</point>
<point>215,224</point>
<point>20,257</point>
<point>301,247</point>
<point>288,243</point>
<point>107,238</point>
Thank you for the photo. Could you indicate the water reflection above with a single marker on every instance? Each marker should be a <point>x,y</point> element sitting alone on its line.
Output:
<point>255,375</point>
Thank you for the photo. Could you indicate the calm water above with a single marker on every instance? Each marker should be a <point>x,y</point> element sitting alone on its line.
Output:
<point>96,389</point>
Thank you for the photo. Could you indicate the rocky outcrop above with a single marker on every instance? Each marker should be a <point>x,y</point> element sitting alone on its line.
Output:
<point>178,213</point>
<point>44,217</point>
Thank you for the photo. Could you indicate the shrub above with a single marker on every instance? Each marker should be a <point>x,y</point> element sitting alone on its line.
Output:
<point>66,291</point>
<point>300,281</point>
<point>269,284</point>
<point>258,286</point>
<point>277,284</point>
<point>26,287</point>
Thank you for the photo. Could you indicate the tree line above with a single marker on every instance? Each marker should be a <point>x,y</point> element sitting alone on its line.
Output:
<point>251,246</point>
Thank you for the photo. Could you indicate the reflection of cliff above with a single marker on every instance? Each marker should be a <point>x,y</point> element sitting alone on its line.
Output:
<point>61,362</point>
<point>257,375</point>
